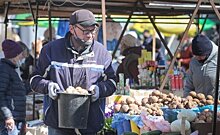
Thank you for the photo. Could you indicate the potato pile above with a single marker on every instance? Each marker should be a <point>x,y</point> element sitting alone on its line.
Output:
<point>134,107</point>
<point>130,105</point>
<point>191,101</point>
<point>160,99</point>
<point>152,104</point>
<point>77,91</point>
<point>199,99</point>
<point>206,116</point>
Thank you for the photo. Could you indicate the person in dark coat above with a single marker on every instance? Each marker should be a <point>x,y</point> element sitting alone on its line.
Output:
<point>147,38</point>
<point>131,52</point>
<point>24,68</point>
<point>12,89</point>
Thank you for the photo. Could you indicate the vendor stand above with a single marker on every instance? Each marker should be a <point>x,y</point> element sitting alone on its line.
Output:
<point>145,111</point>
<point>144,9</point>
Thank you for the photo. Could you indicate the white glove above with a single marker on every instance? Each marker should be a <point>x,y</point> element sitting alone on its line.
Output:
<point>53,88</point>
<point>94,90</point>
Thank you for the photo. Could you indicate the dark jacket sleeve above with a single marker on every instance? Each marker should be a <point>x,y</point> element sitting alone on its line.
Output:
<point>39,81</point>
<point>4,83</point>
<point>107,85</point>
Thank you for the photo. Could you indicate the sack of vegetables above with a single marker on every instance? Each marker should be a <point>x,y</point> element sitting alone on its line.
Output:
<point>73,108</point>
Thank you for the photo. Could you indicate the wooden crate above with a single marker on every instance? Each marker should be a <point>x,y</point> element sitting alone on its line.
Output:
<point>205,128</point>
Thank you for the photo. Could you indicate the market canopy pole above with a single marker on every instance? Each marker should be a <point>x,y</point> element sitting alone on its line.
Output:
<point>217,76</point>
<point>159,34</point>
<point>178,47</point>
<point>32,13</point>
<point>161,38</point>
<point>124,29</point>
<point>6,19</point>
<point>203,25</point>
<point>31,10</point>
<point>49,21</point>
<point>35,52</point>
<point>104,24</point>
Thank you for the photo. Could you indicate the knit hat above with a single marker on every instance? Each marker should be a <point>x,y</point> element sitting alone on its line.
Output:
<point>83,17</point>
<point>11,49</point>
<point>128,41</point>
<point>201,45</point>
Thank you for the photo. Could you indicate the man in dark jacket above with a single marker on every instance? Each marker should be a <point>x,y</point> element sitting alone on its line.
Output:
<point>12,90</point>
<point>79,61</point>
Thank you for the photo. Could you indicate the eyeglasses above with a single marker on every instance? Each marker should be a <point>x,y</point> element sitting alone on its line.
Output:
<point>86,32</point>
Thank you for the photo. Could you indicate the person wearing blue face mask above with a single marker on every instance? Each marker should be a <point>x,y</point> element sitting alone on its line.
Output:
<point>201,76</point>
<point>12,90</point>
<point>76,60</point>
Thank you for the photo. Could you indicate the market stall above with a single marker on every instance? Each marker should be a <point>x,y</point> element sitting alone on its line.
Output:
<point>147,8</point>
<point>150,111</point>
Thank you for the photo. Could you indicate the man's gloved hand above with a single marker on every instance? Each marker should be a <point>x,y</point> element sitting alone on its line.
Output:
<point>94,90</point>
<point>53,88</point>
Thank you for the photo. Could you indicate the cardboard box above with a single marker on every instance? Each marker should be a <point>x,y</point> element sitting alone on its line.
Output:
<point>205,128</point>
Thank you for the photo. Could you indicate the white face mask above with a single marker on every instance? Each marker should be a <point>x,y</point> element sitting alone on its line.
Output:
<point>22,61</point>
<point>19,62</point>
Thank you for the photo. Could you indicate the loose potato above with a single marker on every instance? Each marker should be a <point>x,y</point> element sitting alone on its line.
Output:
<point>200,121</point>
<point>210,97</point>
<point>189,105</point>
<point>159,113</point>
<point>196,100</point>
<point>141,108</point>
<point>154,108</point>
<point>123,102</point>
<point>133,106</point>
<point>124,108</point>
<point>200,96</point>
<point>201,104</point>
<point>163,96</point>
<point>117,108</point>
<point>192,93</point>
<point>77,90</point>
<point>137,102</point>
<point>202,117</point>
<point>203,101</point>
<point>208,119</point>
<point>150,111</point>
<point>209,102</point>
<point>144,101</point>
<point>180,106</point>
<point>172,106</point>
<point>130,100</point>
<point>156,93</point>
<point>169,99</point>
<point>152,99</point>
<point>189,97</point>
<point>171,95</point>
<point>147,106</point>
